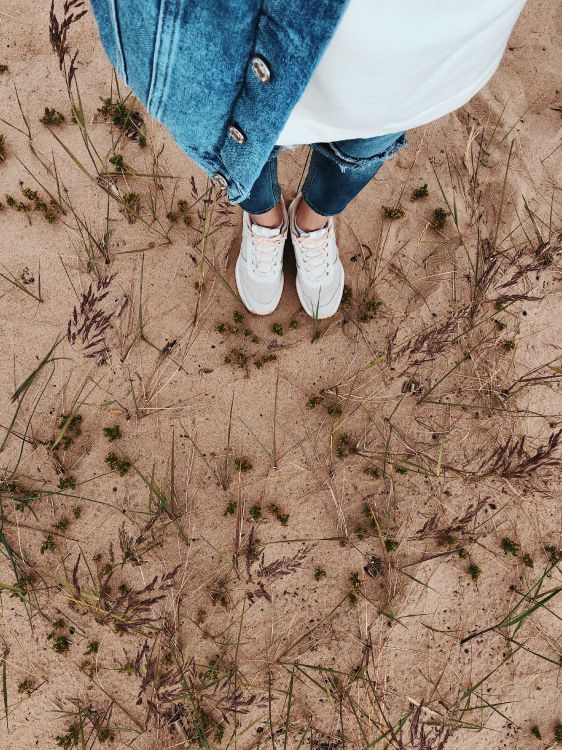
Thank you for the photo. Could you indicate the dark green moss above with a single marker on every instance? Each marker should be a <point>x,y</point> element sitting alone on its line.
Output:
<point>420,192</point>
<point>393,212</point>
<point>112,433</point>
<point>439,218</point>
<point>510,547</point>
<point>118,463</point>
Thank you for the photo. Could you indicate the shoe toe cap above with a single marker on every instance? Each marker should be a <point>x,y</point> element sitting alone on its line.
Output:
<point>323,300</point>
<point>257,294</point>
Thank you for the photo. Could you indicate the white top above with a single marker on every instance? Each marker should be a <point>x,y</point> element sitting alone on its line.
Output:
<point>391,66</point>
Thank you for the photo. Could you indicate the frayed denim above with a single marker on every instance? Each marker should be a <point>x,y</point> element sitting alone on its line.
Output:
<point>337,173</point>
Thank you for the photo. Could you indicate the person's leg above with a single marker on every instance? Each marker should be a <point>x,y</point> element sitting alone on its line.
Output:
<point>259,266</point>
<point>264,202</point>
<point>338,172</point>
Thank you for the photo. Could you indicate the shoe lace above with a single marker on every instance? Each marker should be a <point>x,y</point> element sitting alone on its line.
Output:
<point>266,252</point>
<point>314,251</point>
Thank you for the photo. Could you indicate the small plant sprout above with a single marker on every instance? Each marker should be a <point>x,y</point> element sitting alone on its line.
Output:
<point>131,205</point>
<point>536,732</point>
<point>26,686</point>
<point>112,433</point>
<point>242,463</point>
<point>70,427</point>
<point>368,514</point>
<point>255,513</point>
<point>439,218</point>
<point>238,357</point>
<point>313,402</point>
<point>368,309</point>
<point>355,581</point>
<point>277,329</point>
<point>183,212</point>
<point>49,209</point>
<point>224,328</point>
<point>61,525</point>
<point>17,205</point>
<point>124,117</point>
<point>334,408</point>
<point>319,574</point>
<point>276,511</point>
<point>70,739</point>
<point>118,161</point>
<point>264,359</point>
<point>420,192</point>
<point>48,544</point>
<point>510,547</point>
<point>67,483</point>
<point>51,117</point>
<point>509,345</point>
<point>120,464</point>
<point>554,554</point>
<point>345,445</point>
<point>393,212</point>
<point>474,572</point>
<point>60,643</point>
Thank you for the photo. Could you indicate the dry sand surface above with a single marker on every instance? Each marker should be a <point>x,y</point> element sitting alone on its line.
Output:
<point>225,531</point>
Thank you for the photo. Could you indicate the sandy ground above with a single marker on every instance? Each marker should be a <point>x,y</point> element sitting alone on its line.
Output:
<point>329,510</point>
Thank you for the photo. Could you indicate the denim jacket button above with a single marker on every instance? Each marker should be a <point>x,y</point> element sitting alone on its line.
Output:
<point>220,180</point>
<point>260,69</point>
<point>236,135</point>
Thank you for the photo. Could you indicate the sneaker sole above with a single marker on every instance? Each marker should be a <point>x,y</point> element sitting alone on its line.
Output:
<point>263,310</point>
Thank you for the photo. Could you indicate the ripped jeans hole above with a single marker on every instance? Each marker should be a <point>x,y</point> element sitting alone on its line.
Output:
<point>346,161</point>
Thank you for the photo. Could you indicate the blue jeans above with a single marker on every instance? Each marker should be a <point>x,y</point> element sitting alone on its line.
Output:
<point>337,173</point>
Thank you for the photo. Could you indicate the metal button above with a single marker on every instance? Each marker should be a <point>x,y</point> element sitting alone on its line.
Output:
<point>220,180</point>
<point>236,135</point>
<point>261,69</point>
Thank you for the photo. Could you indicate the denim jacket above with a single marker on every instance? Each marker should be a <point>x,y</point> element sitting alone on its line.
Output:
<point>221,75</point>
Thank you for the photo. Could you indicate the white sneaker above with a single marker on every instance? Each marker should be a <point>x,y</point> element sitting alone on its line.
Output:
<point>320,274</point>
<point>259,267</point>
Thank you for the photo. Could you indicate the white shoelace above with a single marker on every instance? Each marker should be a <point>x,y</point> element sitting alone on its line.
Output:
<point>315,254</point>
<point>266,251</point>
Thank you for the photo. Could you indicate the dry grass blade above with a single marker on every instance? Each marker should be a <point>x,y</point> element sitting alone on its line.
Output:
<point>89,322</point>
<point>511,460</point>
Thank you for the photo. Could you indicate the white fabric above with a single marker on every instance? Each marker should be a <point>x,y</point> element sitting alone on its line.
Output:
<point>391,66</point>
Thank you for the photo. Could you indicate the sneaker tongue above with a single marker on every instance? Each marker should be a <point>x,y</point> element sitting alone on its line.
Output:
<point>265,231</point>
<point>314,234</point>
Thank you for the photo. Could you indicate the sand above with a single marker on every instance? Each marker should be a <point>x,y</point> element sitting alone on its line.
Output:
<point>307,540</point>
